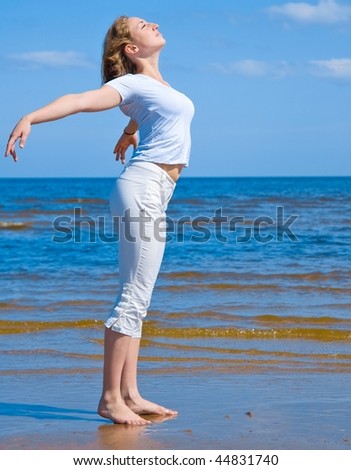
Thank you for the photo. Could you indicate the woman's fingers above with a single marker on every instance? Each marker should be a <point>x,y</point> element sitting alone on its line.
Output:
<point>23,140</point>
<point>124,142</point>
<point>11,148</point>
<point>120,152</point>
<point>21,133</point>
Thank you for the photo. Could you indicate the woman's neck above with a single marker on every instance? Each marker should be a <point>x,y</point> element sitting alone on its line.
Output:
<point>149,67</point>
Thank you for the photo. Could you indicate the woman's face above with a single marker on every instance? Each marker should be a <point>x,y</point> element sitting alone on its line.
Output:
<point>146,36</point>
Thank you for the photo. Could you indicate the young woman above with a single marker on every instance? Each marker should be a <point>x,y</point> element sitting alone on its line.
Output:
<point>140,196</point>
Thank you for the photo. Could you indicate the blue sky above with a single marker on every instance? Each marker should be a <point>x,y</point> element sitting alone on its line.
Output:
<point>270,80</point>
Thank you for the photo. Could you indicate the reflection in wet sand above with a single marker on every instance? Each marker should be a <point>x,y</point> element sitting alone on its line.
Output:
<point>127,437</point>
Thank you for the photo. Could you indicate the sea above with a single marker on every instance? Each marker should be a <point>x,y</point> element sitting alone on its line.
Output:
<point>255,277</point>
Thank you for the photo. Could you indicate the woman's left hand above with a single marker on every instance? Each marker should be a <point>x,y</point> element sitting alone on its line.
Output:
<point>125,141</point>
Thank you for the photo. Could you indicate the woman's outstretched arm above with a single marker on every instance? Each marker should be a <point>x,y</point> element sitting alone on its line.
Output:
<point>89,101</point>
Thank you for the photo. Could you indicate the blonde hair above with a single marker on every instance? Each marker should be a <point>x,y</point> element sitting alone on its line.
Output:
<point>114,60</point>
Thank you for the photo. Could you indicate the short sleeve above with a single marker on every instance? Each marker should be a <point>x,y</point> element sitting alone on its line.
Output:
<point>125,86</point>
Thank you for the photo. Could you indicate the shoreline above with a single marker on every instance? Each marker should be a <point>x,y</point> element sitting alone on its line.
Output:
<point>244,411</point>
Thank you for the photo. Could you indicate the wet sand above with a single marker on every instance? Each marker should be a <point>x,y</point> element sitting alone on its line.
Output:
<point>216,411</point>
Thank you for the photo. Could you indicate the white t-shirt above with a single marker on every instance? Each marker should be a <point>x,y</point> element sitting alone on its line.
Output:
<point>163,115</point>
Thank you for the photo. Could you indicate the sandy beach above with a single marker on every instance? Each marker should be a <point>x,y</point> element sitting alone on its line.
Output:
<point>216,411</point>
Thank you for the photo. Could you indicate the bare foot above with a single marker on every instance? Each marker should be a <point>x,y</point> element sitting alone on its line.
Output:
<point>144,407</point>
<point>120,413</point>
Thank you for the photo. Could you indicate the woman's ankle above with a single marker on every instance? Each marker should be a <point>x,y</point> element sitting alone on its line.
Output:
<point>130,394</point>
<point>110,396</point>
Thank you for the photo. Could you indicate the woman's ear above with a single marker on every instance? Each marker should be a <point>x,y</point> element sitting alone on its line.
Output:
<point>131,49</point>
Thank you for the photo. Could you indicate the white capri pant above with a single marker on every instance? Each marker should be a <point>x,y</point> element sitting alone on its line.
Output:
<point>138,203</point>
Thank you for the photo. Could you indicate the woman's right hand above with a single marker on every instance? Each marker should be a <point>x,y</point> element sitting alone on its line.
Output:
<point>21,132</point>
<point>124,142</point>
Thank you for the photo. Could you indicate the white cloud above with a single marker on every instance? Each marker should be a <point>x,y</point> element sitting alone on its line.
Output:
<point>254,68</point>
<point>334,68</point>
<point>250,68</point>
<point>51,59</point>
<point>338,69</point>
<point>325,11</point>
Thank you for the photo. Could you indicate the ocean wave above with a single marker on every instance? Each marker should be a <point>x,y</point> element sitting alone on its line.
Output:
<point>11,225</point>
<point>267,319</point>
<point>80,200</point>
<point>15,306</point>
<point>315,334</point>
<point>22,327</point>
<point>152,329</point>
<point>333,275</point>
<point>221,286</point>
